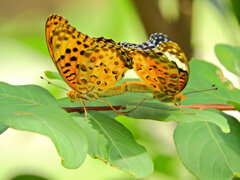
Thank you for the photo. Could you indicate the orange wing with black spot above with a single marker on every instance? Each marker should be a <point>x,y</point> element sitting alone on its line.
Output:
<point>101,68</point>
<point>163,69</point>
<point>86,64</point>
<point>66,45</point>
<point>52,22</point>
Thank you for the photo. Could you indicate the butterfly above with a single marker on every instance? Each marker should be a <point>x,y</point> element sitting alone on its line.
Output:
<point>90,66</point>
<point>162,67</point>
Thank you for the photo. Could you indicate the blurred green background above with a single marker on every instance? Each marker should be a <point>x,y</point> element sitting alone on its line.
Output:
<point>195,25</point>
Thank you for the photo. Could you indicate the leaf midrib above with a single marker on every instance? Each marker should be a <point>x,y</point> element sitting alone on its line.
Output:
<point>109,137</point>
<point>22,99</point>
<point>218,145</point>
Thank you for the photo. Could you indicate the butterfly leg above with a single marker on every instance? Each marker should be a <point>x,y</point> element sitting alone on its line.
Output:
<point>73,96</point>
<point>181,109</point>
<point>133,109</point>
<point>131,86</point>
<point>141,87</point>
<point>106,102</point>
<point>85,110</point>
<point>115,90</point>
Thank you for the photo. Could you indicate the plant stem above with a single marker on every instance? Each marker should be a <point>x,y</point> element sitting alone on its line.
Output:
<point>221,107</point>
<point>96,108</point>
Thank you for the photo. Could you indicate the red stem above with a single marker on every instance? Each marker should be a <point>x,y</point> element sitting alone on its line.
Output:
<point>97,108</point>
<point>221,107</point>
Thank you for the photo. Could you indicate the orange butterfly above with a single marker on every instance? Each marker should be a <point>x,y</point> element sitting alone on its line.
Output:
<point>90,66</point>
<point>161,65</point>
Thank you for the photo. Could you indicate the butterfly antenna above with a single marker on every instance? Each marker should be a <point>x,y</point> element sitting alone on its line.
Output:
<point>208,88</point>
<point>54,84</point>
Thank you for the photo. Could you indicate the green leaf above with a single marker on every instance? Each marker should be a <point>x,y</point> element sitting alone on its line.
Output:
<point>32,108</point>
<point>163,112</point>
<point>28,177</point>
<point>229,56</point>
<point>204,74</point>
<point>208,152</point>
<point>236,105</point>
<point>2,128</point>
<point>111,142</point>
<point>26,96</point>
<point>53,75</point>
<point>236,9</point>
<point>155,110</point>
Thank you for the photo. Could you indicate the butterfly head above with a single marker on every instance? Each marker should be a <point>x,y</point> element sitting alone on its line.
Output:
<point>76,96</point>
<point>179,98</point>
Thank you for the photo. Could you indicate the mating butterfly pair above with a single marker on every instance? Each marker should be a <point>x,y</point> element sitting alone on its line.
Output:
<point>93,66</point>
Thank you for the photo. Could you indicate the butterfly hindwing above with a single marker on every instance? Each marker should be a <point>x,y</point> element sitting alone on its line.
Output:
<point>163,68</point>
<point>101,68</point>
<point>175,55</point>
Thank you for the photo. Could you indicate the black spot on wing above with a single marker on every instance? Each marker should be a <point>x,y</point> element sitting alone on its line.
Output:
<point>71,77</point>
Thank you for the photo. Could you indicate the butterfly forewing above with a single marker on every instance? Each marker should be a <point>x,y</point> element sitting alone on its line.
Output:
<point>86,64</point>
<point>51,24</point>
<point>66,46</point>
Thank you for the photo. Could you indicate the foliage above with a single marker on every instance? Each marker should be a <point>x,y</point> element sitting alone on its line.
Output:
<point>208,152</point>
<point>2,128</point>
<point>28,177</point>
<point>236,9</point>
<point>207,141</point>
<point>229,56</point>
<point>111,142</point>
<point>32,108</point>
